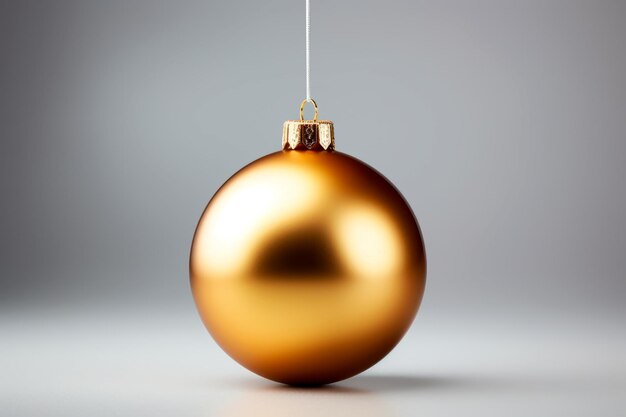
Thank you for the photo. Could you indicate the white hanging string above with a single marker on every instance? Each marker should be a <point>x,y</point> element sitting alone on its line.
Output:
<point>308,51</point>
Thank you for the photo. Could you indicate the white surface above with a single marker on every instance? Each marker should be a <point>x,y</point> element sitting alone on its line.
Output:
<point>129,363</point>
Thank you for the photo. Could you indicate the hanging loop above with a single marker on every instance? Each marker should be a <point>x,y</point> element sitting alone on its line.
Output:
<point>309,100</point>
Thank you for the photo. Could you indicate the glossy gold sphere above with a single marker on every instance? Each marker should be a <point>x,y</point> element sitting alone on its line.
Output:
<point>307,267</point>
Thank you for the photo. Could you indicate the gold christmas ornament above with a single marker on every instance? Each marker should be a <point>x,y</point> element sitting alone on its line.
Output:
<point>307,266</point>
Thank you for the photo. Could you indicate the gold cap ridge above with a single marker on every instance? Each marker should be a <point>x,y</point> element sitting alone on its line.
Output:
<point>308,135</point>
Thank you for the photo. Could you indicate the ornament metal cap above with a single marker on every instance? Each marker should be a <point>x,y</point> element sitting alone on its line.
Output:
<point>314,135</point>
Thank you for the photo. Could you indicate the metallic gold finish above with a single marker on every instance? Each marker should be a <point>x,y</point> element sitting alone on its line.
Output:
<point>308,135</point>
<point>307,267</point>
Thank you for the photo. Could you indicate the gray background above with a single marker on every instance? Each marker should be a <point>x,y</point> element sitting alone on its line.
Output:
<point>502,122</point>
